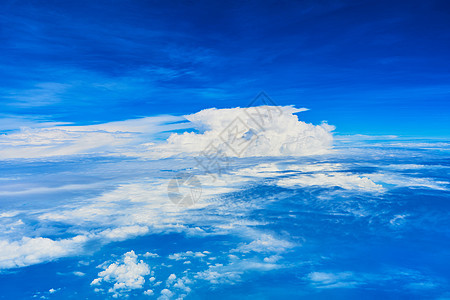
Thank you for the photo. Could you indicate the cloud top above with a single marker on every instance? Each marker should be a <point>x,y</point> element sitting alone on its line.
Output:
<point>253,131</point>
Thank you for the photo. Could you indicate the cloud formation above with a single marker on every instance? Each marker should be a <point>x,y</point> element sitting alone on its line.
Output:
<point>255,131</point>
<point>28,251</point>
<point>125,274</point>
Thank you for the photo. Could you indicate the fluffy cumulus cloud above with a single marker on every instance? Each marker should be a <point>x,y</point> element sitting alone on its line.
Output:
<point>150,254</point>
<point>176,288</point>
<point>217,274</point>
<point>149,292</point>
<point>126,274</point>
<point>255,131</point>
<point>166,294</point>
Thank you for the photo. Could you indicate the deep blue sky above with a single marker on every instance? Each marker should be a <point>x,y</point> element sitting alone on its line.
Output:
<point>369,67</point>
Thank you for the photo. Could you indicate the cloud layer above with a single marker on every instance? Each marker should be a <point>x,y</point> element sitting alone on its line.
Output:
<point>255,131</point>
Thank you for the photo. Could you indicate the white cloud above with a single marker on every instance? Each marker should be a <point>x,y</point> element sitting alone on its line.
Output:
<point>52,291</point>
<point>43,94</point>
<point>28,251</point>
<point>120,138</point>
<point>400,180</point>
<point>178,286</point>
<point>265,243</point>
<point>272,259</point>
<point>185,255</point>
<point>122,233</point>
<point>165,294</point>
<point>14,122</point>
<point>232,272</point>
<point>24,190</point>
<point>333,280</point>
<point>126,274</point>
<point>171,279</point>
<point>141,207</point>
<point>346,181</point>
<point>256,131</point>
<point>215,275</point>
<point>149,254</point>
<point>405,278</point>
<point>181,285</point>
<point>128,211</point>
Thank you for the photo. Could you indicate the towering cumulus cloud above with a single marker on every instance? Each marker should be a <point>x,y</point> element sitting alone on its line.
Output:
<point>254,131</point>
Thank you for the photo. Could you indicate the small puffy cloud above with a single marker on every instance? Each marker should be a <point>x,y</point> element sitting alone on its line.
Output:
<point>217,276</point>
<point>166,294</point>
<point>272,259</point>
<point>181,284</point>
<point>52,291</point>
<point>126,274</point>
<point>265,243</point>
<point>187,254</point>
<point>171,279</point>
<point>149,292</point>
<point>179,287</point>
<point>149,254</point>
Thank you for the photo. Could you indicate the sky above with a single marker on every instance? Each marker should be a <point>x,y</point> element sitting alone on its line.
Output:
<point>109,108</point>
<point>366,67</point>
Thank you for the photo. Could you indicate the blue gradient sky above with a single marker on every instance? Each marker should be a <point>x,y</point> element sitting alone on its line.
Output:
<point>368,67</point>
